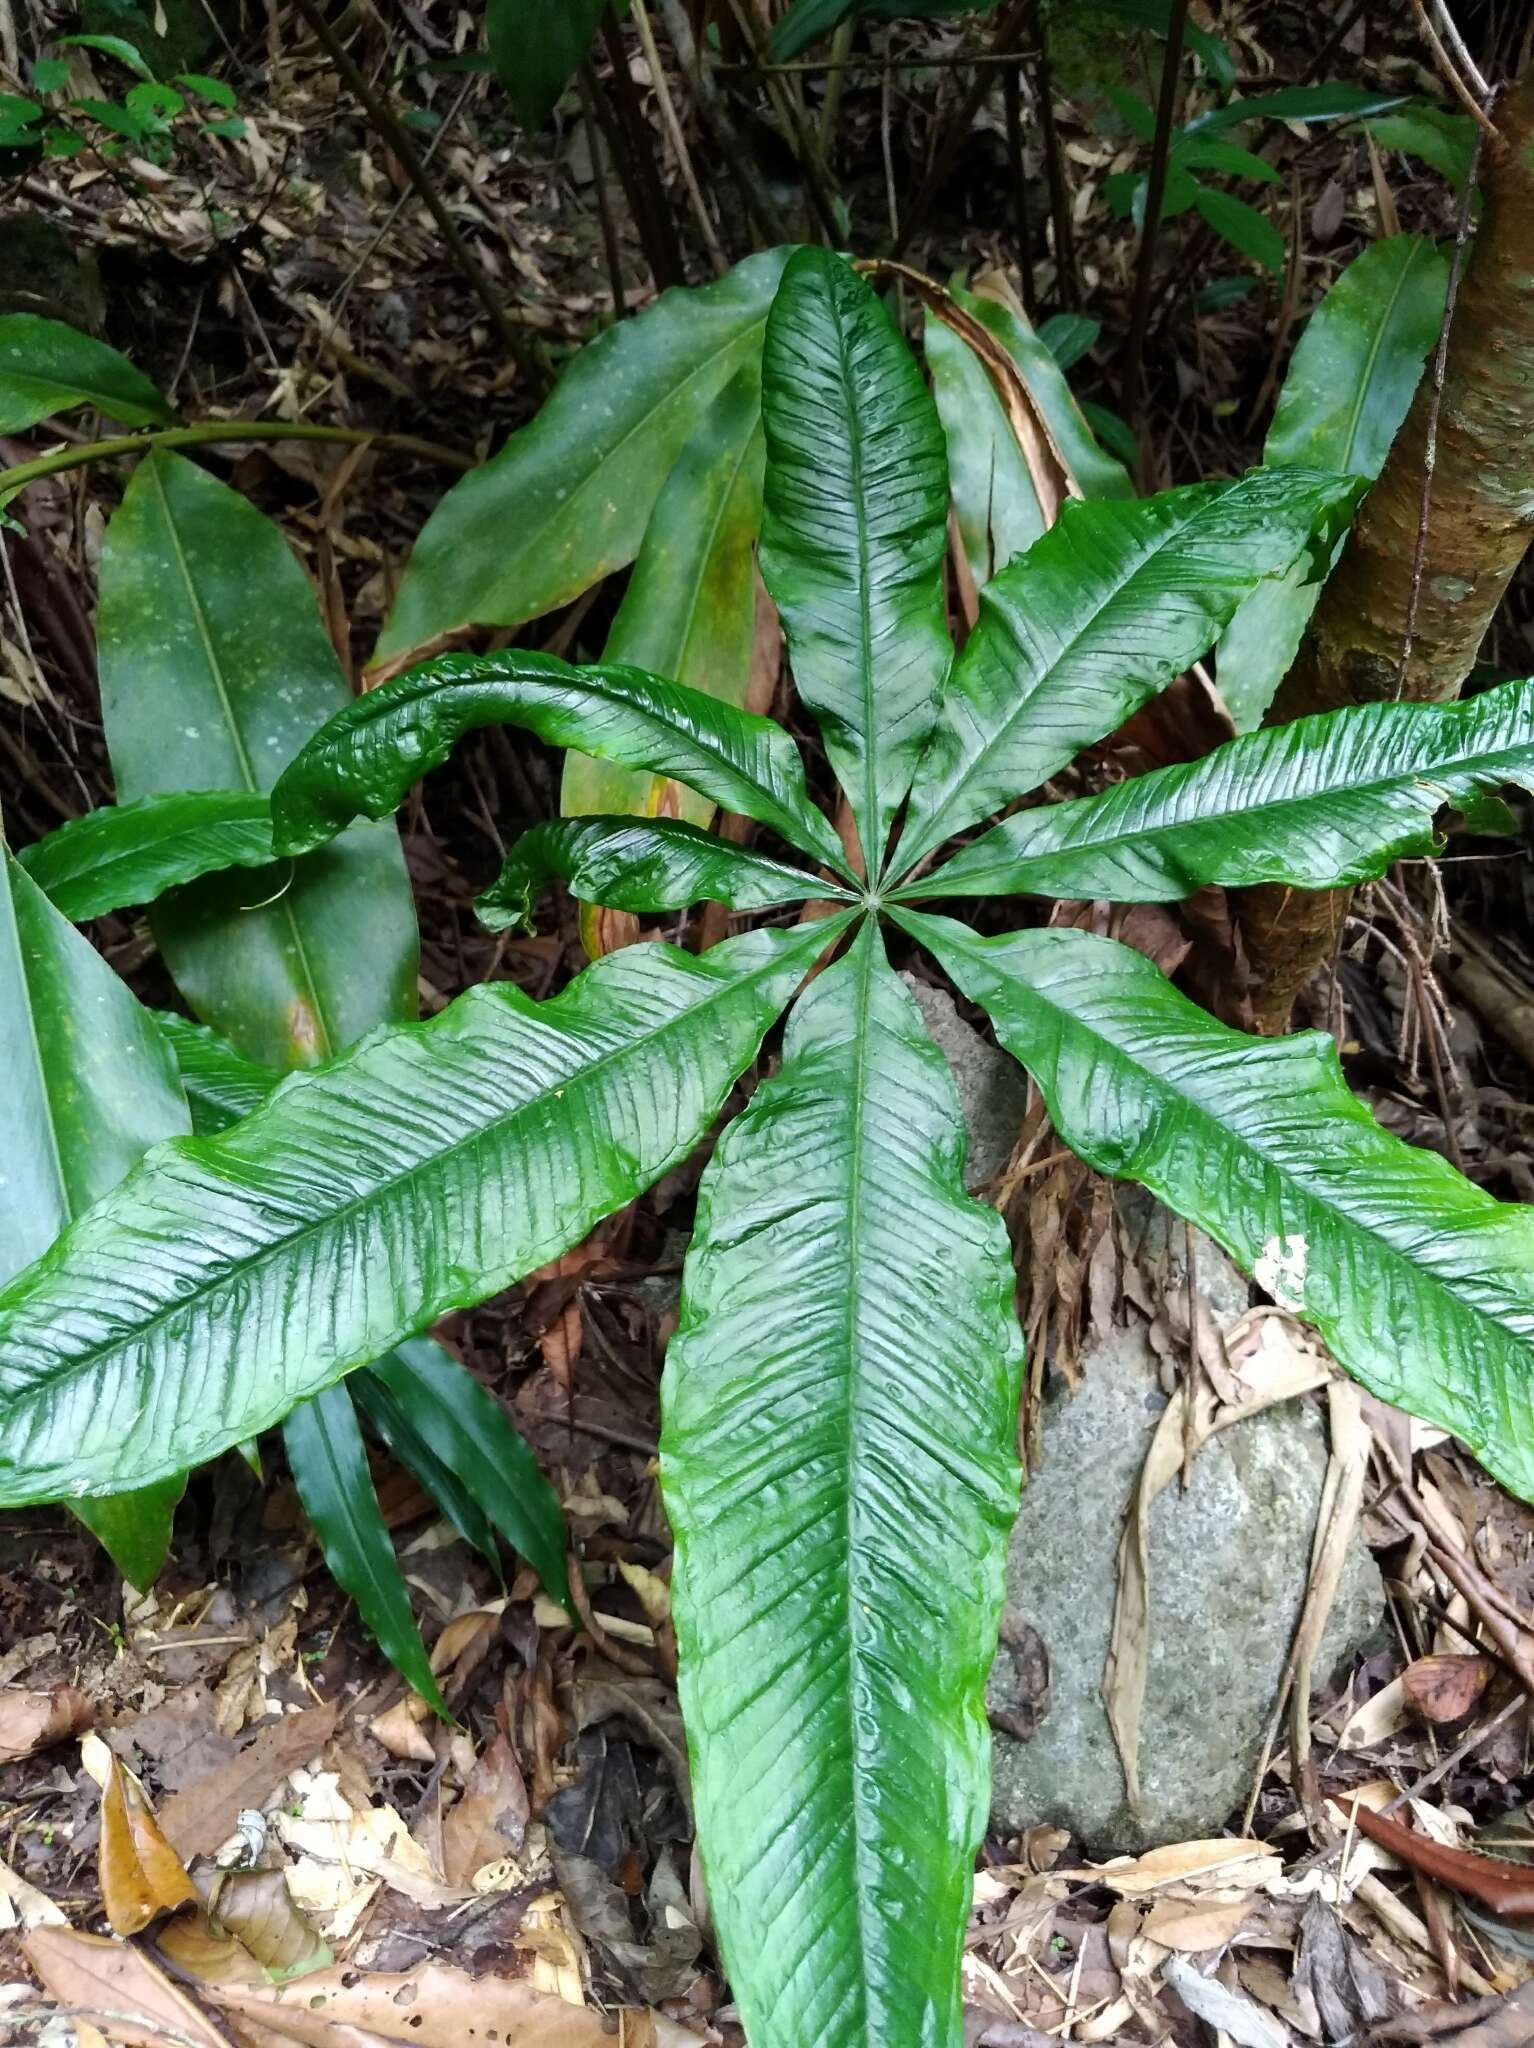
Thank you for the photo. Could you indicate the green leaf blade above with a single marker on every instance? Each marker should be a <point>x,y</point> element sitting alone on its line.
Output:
<point>1116,600</point>
<point>229,1277</point>
<point>47,367</point>
<point>854,528</point>
<point>536,47</point>
<point>125,854</point>
<point>840,1399</point>
<point>220,1083</point>
<point>1421,1282</point>
<point>1320,803</point>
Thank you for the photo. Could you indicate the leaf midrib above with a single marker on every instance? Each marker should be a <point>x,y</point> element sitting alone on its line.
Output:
<point>24,985</point>
<point>1371,360</point>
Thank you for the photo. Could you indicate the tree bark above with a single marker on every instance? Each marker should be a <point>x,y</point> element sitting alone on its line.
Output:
<point>1480,523</point>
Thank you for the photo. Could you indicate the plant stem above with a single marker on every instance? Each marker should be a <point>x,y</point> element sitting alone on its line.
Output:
<point>394,132</point>
<point>831,106</point>
<point>610,248</point>
<point>743,167</point>
<point>1054,157</point>
<point>1155,192</point>
<point>210,432</point>
<point>1012,99</point>
<point>672,124</point>
<point>634,153</point>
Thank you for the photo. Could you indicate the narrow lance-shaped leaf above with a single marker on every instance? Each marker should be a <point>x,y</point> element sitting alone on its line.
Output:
<point>566,501</point>
<point>220,1083</point>
<point>1317,804</point>
<point>690,608</point>
<point>330,1469</point>
<point>994,501</point>
<point>215,668</point>
<point>536,47</point>
<point>364,761</point>
<point>1097,473</point>
<point>640,864</point>
<point>854,526</point>
<point>127,854</point>
<point>47,367</point>
<point>1421,1283</point>
<point>838,1465</point>
<point>1102,612</point>
<point>229,1277</point>
<point>395,1426</point>
<point>89,1085</point>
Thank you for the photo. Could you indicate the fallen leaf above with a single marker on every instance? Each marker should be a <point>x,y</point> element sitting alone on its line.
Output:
<point>30,1721</point>
<point>401,1732</point>
<point>1506,1887</point>
<point>344,1853</point>
<point>197,1821</point>
<point>23,1905</point>
<point>653,1594</point>
<point>139,1872</point>
<point>1225,1863</point>
<point>1376,1720</point>
<point>1442,1689</point>
<point>1241,2018</point>
<point>490,1820</point>
<point>1194,1925</point>
<point>114,1977</point>
<point>256,1907</point>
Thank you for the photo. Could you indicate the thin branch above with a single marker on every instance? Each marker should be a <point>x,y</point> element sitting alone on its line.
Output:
<point>954,133</point>
<point>737,154</point>
<point>634,155</point>
<point>209,433</point>
<point>1155,192</point>
<point>610,248</point>
<point>1457,44</point>
<point>1054,159</point>
<point>673,126</point>
<point>1453,78</point>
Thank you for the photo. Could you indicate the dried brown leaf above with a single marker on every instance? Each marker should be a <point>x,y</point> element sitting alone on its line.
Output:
<point>257,1909</point>
<point>139,1872</point>
<point>30,1721</point>
<point>490,1820</point>
<point>197,1820</point>
<point>1443,1689</point>
<point>129,1996</point>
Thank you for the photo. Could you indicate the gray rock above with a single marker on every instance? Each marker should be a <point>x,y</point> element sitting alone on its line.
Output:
<point>993,1089</point>
<point>1229,1561</point>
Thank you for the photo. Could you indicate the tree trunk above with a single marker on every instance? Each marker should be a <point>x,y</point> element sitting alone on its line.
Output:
<point>1480,522</point>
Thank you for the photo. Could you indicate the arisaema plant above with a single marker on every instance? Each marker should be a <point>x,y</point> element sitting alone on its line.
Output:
<point>840,1398</point>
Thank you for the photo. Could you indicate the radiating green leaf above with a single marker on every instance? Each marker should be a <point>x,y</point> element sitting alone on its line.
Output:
<point>1097,473</point>
<point>447,1413</point>
<point>214,670</point>
<point>1347,391</point>
<point>220,1083</point>
<point>1320,803</point>
<point>690,608</point>
<point>47,367</point>
<point>89,1084</point>
<point>536,47</point>
<point>125,854</point>
<point>640,864</point>
<point>1242,226</point>
<point>566,501</point>
<point>229,1277</point>
<point>838,1465</point>
<point>364,761</point>
<point>1421,1283</point>
<point>330,1469</point>
<point>1106,609</point>
<point>994,501</point>
<point>1297,103</point>
<point>854,528</point>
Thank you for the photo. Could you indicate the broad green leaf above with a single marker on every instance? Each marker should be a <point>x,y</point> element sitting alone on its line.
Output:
<point>536,47</point>
<point>854,528</point>
<point>330,1469</point>
<point>1208,153</point>
<point>567,500</point>
<point>1102,612</point>
<point>89,1085</point>
<point>1242,226</point>
<point>1069,336</point>
<point>1347,391</point>
<point>214,90</point>
<point>1097,473</point>
<point>449,1414</point>
<point>640,864</point>
<point>690,608</point>
<point>220,1083</point>
<point>47,367</point>
<point>994,501</point>
<point>1421,1283</point>
<point>364,761</point>
<point>1320,803</point>
<point>838,1466</point>
<point>119,47</point>
<point>1421,129</point>
<point>1297,103</point>
<point>230,1277</point>
<point>215,668</point>
<point>125,854</point>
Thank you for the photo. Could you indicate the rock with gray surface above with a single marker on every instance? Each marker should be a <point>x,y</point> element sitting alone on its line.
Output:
<point>993,1090</point>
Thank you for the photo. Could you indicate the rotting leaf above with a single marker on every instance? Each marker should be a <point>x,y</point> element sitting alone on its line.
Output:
<point>140,1873</point>
<point>101,1975</point>
<point>195,1822</point>
<point>490,1820</point>
<point>1444,1688</point>
<point>30,1721</point>
<point>256,1907</point>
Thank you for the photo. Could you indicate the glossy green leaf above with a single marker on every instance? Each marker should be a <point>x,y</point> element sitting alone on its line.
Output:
<point>567,500</point>
<point>1421,129</point>
<point>854,528</point>
<point>330,1469</point>
<point>1421,1283</point>
<point>1297,103</point>
<point>1097,473</point>
<point>126,854</point>
<point>690,608</point>
<point>1208,153</point>
<point>229,1277</point>
<point>126,53</point>
<point>215,668</point>
<point>994,502</point>
<point>536,47</point>
<point>220,1083</point>
<point>364,761</point>
<point>391,1422</point>
<point>446,1412</point>
<point>1348,388</point>
<point>1106,609</point>
<point>1242,226</point>
<point>47,367</point>
<point>89,1084</point>
<point>839,1468</point>
<point>640,864</point>
<point>1320,803</point>
<point>1069,336</point>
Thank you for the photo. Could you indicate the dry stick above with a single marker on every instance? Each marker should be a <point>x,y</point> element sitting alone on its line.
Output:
<point>1450,73</point>
<point>745,170</point>
<point>1430,450</point>
<point>211,432</point>
<point>397,136</point>
<point>610,248</point>
<point>1155,192</point>
<point>797,133</point>
<point>1012,101</point>
<point>634,155</point>
<point>673,127</point>
<point>1054,158</point>
<point>955,132</point>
